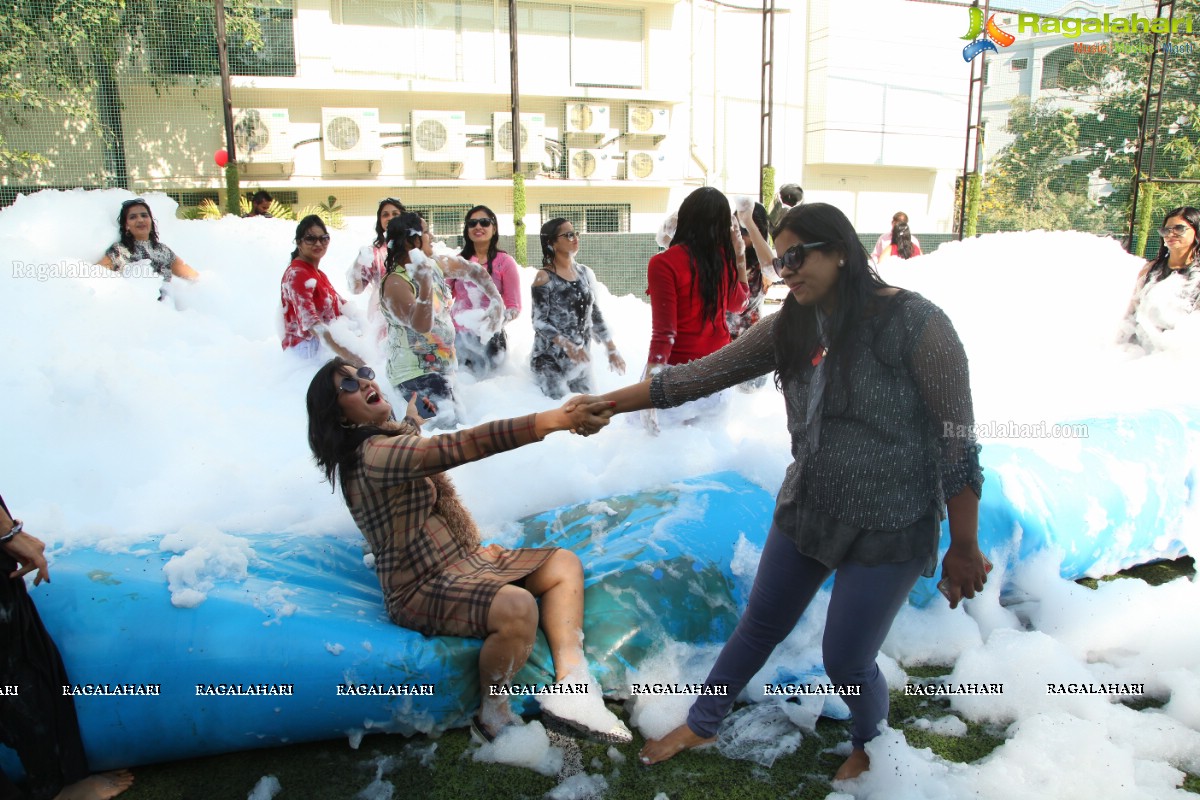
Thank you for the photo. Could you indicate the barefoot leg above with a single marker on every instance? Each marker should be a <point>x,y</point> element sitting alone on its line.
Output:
<point>559,585</point>
<point>858,763</point>
<point>512,625</point>
<point>102,786</point>
<point>682,738</point>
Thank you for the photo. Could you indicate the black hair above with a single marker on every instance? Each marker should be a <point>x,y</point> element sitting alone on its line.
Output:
<point>548,235</point>
<point>704,226</point>
<point>403,233</point>
<point>1159,268</point>
<point>333,445</point>
<point>493,245</point>
<point>380,233</point>
<point>126,237</point>
<point>902,238</point>
<point>759,216</point>
<point>796,336</point>
<point>262,194</point>
<point>303,227</point>
<point>791,193</point>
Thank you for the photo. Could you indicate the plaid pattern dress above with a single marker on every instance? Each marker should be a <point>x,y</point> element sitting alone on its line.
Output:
<point>432,583</point>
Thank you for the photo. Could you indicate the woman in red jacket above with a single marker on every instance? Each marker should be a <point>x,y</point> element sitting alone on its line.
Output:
<point>694,282</point>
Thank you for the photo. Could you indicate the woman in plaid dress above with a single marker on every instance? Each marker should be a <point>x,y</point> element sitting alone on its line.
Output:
<point>436,578</point>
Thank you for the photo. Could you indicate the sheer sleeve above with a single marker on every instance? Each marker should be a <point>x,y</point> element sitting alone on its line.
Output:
<point>390,460</point>
<point>938,364</point>
<point>748,356</point>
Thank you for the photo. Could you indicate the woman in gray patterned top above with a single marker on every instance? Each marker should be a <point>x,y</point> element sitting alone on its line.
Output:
<point>566,316</point>
<point>879,411</point>
<point>139,242</point>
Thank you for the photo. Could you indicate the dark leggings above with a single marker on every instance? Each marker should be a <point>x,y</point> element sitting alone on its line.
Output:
<point>865,600</point>
<point>38,722</point>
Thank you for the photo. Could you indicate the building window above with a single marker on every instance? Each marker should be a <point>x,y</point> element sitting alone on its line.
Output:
<point>1020,64</point>
<point>446,222</point>
<point>467,40</point>
<point>987,68</point>
<point>1054,68</point>
<point>590,217</point>
<point>198,55</point>
<point>606,47</point>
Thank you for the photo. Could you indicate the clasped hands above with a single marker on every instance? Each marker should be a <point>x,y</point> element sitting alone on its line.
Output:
<point>588,414</point>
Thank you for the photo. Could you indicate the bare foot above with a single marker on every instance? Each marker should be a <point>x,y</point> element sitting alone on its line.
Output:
<point>98,787</point>
<point>680,739</point>
<point>858,763</point>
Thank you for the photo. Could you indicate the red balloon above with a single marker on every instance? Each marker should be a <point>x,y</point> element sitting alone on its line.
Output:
<point>221,157</point>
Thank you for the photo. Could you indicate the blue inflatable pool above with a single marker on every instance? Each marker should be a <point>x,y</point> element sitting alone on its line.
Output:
<point>302,635</point>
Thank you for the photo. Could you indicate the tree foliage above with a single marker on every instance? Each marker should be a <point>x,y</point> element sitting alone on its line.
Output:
<point>64,56</point>
<point>1041,179</point>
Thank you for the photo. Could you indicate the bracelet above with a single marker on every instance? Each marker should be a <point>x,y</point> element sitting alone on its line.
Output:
<point>17,527</point>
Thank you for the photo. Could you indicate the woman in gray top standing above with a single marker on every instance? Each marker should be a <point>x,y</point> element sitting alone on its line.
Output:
<point>879,412</point>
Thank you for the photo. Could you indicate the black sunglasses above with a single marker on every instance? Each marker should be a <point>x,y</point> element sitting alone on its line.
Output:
<point>793,259</point>
<point>351,385</point>
<point>308,238</point>
<point>137,201</point>
<point>570,236</point>
<point>481,222</point>
<point>1177,230</point>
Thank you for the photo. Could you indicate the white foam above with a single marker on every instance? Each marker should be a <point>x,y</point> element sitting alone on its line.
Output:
<point>266,788</point>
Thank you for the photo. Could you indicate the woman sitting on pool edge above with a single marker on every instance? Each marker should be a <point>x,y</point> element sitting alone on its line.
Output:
<point>436,578</point>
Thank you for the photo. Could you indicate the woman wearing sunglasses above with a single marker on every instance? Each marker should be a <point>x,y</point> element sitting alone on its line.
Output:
<point>435,575</point>
<point>368,269</point>
<point>481,245</point>
<point>308,298</point>
<point>879,412</point>
<point>566,316</point>
<point>1168,287</point>
<point>139,243</point>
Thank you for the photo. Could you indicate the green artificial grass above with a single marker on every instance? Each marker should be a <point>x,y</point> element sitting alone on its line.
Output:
<point>331,770</point>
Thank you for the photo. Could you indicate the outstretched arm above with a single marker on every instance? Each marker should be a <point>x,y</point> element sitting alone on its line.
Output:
<point>389,460</point>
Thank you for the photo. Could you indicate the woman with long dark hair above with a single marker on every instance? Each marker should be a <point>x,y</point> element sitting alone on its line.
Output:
<point>435,575</point>
<point>759,273</point>
<point>879,412</point>
<point>368,269</point>
<point>1168,287</point>
<point>902,244</point>
<point>566,316</point>
<point>310,303</point>
<point>695,281</point>
<point>139,243</point>
<point>415,301</point>
<point>481,245</point>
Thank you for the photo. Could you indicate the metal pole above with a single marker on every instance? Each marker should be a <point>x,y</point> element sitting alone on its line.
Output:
<point>514,90</point>
<point>226,89</point>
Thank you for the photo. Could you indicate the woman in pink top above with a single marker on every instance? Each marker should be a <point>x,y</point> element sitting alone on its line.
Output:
<point>481,239</point>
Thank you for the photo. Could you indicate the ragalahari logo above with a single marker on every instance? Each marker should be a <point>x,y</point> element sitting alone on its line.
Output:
<point>984,37</point>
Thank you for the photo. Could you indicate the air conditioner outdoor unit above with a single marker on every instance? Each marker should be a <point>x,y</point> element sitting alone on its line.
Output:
<point>645,165</point>
<point>587,118</point>
<point>590,164</point>
<point>262,135</point>
<point>648,120</point>
<point>350,134</point>
<point>439,136</point>
<point>532,139</point>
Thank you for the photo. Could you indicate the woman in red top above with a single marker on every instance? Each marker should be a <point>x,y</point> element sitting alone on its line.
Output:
<point>309,300</point>
<point>695,281</point>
